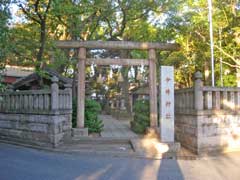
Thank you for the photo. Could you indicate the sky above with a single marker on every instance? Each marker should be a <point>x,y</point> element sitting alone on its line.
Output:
<point>15,19</point>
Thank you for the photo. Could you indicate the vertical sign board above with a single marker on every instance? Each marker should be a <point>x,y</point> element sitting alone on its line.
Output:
<point>166,95</point>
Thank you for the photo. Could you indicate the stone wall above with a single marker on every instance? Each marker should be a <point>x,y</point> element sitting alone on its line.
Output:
<point>219,131</point>
<point>35,129</point>
<point>186,130</point>
<point>207,119</point>
<point>37,117</point>
<point>209,131</point>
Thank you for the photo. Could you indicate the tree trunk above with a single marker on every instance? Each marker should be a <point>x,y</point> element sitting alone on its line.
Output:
<point>41,64</point>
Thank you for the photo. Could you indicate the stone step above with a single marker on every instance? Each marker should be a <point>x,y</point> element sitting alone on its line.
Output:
<point>97,145</point>
<point>100,140</point>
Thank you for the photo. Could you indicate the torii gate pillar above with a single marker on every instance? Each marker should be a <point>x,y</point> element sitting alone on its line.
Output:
<point>153,89</point>
<point>81,130</point>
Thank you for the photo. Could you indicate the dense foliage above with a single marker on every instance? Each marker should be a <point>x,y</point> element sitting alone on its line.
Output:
<point>4,30</point>
<point>191,28</point>
<point>141,116</point>
<point>5,16</point>
<point>92,110</point>
<point>29,41</point>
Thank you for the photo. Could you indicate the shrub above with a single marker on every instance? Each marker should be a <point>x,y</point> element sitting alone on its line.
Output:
<point>92,109</point>
<point>141,116</point>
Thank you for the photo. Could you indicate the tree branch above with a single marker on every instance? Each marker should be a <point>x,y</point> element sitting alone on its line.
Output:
<point>109,25</point>
<point>36,10</point>
<point>28,14</point>
<point>123,24</point>
<point>228,55</point>
<point>231,65</point>
<point>93,29</point>
<point>199,34</point>
<point>48,7</point>
<point>221,50</point>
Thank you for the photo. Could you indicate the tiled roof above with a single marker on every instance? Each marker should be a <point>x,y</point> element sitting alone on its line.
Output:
<point>34,76</point>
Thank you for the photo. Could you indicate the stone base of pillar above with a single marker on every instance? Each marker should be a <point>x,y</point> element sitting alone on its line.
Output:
<point>79,132</point>
<point>151,146</point>
<point>173,146</point>
<point>154,148</point>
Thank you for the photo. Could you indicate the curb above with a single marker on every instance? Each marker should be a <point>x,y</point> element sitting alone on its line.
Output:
<point>133,154</point>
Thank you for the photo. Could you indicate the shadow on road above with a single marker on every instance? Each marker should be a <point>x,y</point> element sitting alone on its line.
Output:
<point>170,169</point>
<point>25,163</point>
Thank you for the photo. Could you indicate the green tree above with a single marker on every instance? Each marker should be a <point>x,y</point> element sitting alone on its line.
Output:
<point>4,36</point>
<point>191,28</point>
<point>227,46</point>
<point>37,12</point>
<point>4,30</point>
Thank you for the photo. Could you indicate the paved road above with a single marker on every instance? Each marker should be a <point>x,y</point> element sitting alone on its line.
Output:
<point>23,163</point>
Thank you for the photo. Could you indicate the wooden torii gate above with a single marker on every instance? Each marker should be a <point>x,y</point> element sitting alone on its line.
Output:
<point>118,45</point>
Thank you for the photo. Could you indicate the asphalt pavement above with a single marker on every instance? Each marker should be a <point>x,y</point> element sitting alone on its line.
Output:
<point>20,163</point>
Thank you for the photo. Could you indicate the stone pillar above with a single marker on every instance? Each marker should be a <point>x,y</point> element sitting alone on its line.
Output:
<point>122,104</point>
<point>54,94</point>
<point>198,92</point>
<point>166,94</point>
<point>131,102</point>
<point>117,104</point>
<point>112,104</point>
<point>117,108</point>
<point>153,88</point>
<point>81,88</point>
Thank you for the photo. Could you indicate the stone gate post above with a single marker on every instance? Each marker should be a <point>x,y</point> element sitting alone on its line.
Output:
<point>54,94</point>
<point>166,99</point>
<point>198,93</point>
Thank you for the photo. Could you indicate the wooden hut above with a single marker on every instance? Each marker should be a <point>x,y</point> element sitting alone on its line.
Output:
<point>35,81</point>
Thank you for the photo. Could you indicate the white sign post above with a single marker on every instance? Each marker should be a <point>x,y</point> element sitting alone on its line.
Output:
<point>166,90</point>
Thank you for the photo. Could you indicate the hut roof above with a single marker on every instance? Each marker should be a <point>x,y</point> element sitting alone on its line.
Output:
<point>36,77</point>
